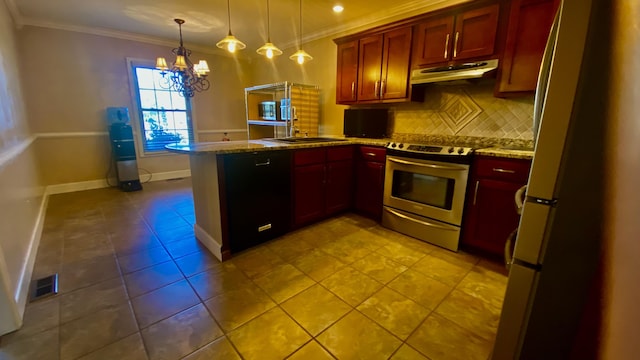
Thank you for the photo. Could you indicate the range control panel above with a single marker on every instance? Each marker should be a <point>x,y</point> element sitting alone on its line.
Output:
<point>431,149</point>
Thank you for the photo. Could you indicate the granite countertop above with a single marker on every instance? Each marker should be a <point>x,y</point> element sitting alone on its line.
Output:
<point>487,147</point>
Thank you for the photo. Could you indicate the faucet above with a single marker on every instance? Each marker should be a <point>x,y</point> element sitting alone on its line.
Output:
<point>293,130</point>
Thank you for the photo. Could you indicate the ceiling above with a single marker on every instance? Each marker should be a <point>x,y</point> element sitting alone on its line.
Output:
<point>206,21</point>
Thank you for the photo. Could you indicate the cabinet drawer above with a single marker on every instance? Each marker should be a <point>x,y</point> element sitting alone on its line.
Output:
<point>513,170</point>
<point>340,153</point>
<point>372,153</point>
<point>309,156</point>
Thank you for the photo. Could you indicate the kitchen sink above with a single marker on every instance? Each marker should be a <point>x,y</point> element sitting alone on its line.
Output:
<point>304,140</point>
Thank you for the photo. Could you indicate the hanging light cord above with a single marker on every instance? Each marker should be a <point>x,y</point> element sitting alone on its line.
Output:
<point>229,15</point>
<point>268,24</point>
<point>300,44</point>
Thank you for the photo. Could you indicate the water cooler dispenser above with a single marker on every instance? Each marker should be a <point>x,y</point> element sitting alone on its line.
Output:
<point>123,149</point>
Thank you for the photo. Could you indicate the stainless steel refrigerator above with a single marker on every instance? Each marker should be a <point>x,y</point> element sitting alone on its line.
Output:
<point>556,252</point>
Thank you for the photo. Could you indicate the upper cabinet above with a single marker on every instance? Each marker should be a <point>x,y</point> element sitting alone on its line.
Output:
<point>374,68</point>
<point>529,26</point>
<point>466,35</point>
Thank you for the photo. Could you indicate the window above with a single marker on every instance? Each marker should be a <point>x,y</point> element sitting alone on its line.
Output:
<point>165,115</point>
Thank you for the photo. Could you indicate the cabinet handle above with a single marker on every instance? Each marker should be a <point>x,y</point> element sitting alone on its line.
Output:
<point>353,90</point>
<point>376,87</point>
<point>370,154</point>
<point>382,90</point>
<point>507,171</point>
<point>446,47</point>
<point>475,193</point>
<point>455,45</point>
<point>266,163</point>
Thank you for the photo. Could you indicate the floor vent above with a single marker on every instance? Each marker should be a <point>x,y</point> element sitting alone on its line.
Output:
<point>44,287</point>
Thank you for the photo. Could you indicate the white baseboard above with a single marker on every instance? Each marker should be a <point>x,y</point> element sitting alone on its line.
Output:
<point>208,241</point>
<point>22,292</point>
<point>102,183</point>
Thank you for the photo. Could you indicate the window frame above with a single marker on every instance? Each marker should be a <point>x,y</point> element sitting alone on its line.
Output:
<point>139,129</point>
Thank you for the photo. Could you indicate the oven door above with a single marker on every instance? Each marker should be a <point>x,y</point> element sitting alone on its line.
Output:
<point>427,188</point>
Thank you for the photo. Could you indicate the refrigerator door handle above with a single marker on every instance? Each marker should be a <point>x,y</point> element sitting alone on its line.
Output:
<point>519,199</point>
<point>508,253</point>
<point>543,77</point>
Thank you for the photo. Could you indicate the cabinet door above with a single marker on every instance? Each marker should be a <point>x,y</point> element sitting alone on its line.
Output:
<point>369,65</point>
<point>529,25</point>
<point>433,42</point>
<point>369,189</point>
<point>491,215</point>
<point>339,189</point>
<point>475,33</point>
<point>347,72</point>
<point>395,64</point>
<point>309,190</point>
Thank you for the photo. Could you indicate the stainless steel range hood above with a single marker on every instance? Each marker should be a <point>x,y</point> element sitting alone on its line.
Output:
<point>453,72</point>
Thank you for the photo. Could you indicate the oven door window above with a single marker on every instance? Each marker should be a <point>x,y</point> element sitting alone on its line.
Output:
<point>424,189</point>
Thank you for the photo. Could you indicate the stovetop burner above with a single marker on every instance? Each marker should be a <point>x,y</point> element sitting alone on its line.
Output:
<point>445,150</point>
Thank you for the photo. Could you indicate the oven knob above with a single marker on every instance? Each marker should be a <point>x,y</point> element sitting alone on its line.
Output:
<point>393,145</point>
<point>400,146</point>
<point>450,150</point>
<point>460,151</point>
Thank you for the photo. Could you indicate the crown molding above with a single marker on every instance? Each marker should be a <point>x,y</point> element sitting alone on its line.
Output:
<point>14,12</point>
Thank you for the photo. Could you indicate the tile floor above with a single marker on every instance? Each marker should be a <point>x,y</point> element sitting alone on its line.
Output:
<point>135,284</point>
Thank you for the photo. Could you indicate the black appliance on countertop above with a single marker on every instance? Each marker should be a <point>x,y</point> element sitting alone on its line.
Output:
<point>366,123</point>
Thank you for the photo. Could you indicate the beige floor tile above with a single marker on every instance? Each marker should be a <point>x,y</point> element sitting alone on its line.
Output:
<point>129,242</point>
<point>401,254</point>
<point>151,278</point>
<point>197,262</point>
<point>88,300</point>
<point>219,349</point>
<point>87,246</point>
<point>89,333</point>
<point>311,351</point>
<point>236,307</point>
<point>176,230</point>
<point>143,259</point>
<point>478,316</point>
<point>459,258</point>
<point>379,267</point>
<point>218,281</point>
<point>129,348</point>
<point>406,352</point>
<point>41,346</point>
<point>441,270</point>
<point>486,285</point>
<point>289,246</point>
<point>351,285</point>
<point>257,261</point>
<point>315,309</point>
<point>346,251</point>
<point>441,339</point>
<point>184,247</point>
<point>316,235</point>
<point>164,302</point>
<point>88,272</point>
<point>317,264</point>
<point>180,334</point>
<point>357,337</point>
<point>38,316</point>
<point>365,239</point>
<point>394,312</point>
<point>422,289</point>
<point>283,282</point>
<point>272,335</point>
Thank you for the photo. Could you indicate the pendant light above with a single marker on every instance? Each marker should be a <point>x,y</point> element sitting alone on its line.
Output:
<point>230,43</point>
<point>300,56</point>
<point>268,49</point>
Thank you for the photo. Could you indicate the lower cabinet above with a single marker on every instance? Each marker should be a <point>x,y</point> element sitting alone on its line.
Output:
<point>370,162</point>
<point>323,182</point>
<point>257,197</point>
<point>490,214</point>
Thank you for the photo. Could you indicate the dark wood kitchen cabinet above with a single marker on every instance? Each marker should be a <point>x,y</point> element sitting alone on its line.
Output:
<point>322,182</point>
<point>467,35</point>
<point>490,213</point>
<point>257,193</point>
<point>374,68</point>
<point>370,167</point>
<point>529,26</point>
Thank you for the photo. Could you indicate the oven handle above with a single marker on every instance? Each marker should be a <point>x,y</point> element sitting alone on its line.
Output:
<point>433,166</point>
<point>418,221</point>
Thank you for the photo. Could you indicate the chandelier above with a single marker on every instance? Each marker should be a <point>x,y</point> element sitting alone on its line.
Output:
<point>183,76</point>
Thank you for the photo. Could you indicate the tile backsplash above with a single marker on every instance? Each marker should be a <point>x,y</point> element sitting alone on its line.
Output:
<point>465,110</point>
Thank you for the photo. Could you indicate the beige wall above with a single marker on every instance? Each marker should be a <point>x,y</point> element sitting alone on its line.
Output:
<point>20,192</point>
<point>84,74</point>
